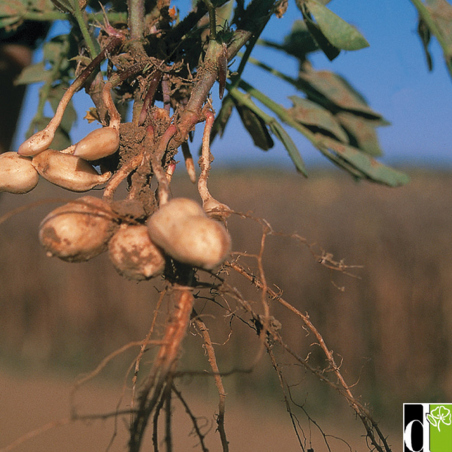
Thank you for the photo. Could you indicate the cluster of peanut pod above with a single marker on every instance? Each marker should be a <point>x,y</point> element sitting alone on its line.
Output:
<point>88,226</point>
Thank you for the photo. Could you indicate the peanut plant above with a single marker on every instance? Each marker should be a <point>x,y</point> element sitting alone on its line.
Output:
<point>141,55</point>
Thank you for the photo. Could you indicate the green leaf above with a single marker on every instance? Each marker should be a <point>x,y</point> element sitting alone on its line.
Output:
<point>362,164</point>
<point>11,12</point>
<point>425,35</point>
<point>64,6</point>
<point>285,139</point>
<point>6,21</point>
<point>338,32</point>
<point>332,90</point>
<point>42,5</point>
<point>362,133</point>
<point>316,118</point>
<point>441,12</point>
<point>297,43</point>
<point>55,50</point>
<point>330,50</point>
<point>32,74</point>
<point>255,126</point>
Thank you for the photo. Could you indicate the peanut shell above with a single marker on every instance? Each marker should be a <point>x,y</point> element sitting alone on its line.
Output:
<point>184,232</point>
<point>98,144</point>
<point>68,171</point>
<point>17,174</point>
<point>134,255</point>
<point>79,230</point>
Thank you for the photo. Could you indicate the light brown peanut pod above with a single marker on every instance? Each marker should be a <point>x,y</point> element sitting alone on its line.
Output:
<point>192,239</point>
<point>79,230</point>
<point>134,255</point>
<point>37,143</point>
<point>68,171</point>
<point>17,174</point>
<point>179,208</point>
<point>98,144</point>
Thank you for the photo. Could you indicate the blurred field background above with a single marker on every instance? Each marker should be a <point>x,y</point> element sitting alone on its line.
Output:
<point>390,323</point>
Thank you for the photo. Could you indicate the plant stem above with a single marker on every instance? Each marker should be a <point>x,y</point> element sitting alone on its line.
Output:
<point>50,16</point>
<point>136,18</point>
<point>207,76</point>
<point>273,71</point>
<point>208,72</point>
<point>79,17</point>
<point>212,18</point>
<point>80,80</point>
<point>205,159</point>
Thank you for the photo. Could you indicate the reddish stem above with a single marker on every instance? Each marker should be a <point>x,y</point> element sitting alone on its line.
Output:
<point>150,95</point>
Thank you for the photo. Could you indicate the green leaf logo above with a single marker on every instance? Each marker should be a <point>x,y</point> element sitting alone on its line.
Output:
<point>438,415</point>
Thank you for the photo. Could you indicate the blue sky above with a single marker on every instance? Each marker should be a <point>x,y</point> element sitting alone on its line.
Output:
<point>392,75</point>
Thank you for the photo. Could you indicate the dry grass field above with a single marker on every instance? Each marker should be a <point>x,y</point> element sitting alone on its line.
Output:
<point>388,319</point>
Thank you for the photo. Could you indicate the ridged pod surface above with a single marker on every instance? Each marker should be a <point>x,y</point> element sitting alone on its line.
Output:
<point>79,230</point>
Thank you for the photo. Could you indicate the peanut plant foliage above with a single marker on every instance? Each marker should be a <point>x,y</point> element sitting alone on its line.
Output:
<point>144,58</point>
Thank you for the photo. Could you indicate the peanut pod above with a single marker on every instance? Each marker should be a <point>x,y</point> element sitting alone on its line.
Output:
<point>68,171</point>
<point>79,230</point>
<point>98,144</point>
<point>192,238</point>
<point>37,143</point>
<point>17,174</point>
<point>134,255</point>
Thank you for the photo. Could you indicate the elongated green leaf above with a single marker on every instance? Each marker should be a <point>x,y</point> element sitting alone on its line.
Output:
<point>11,12</point>
<point>348,157</point>
<point>362,133</point>
<point>441,12</point>
<point>6,21</point>
<point>425,35</point>
<point>329,49</point>
<point>364,164</point>
<point>338,32</point>
<point>285,139</point>
<point>316,118</point>
<point>42,5</point>
<point>302,2</point>
<point>329,88</point>
<point>32,74</point>
<point>64,6</point>
<point>255,126</point>
<point>435,18</point>
<point>55,49</point>
<point>297,43</point>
